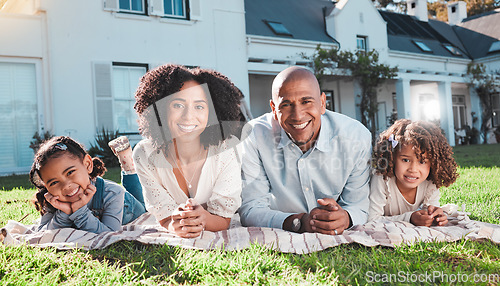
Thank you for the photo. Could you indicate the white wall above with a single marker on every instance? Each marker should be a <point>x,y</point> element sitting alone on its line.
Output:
<point>81,33</point>
<point>358,17</point>
<point>21,35</point>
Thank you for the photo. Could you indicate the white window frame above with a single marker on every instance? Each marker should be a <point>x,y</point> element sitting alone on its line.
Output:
<point>458,106</point>
<point>43,105</point>
<point>143,12</point>
<point>115,100</point>
<point>364,40</point>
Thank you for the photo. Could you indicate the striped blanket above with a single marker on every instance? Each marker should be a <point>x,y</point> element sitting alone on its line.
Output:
<point>146,230</point>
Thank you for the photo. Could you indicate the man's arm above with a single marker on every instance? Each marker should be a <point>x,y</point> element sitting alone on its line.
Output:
<point>354,197</point>
<point>256,193</point>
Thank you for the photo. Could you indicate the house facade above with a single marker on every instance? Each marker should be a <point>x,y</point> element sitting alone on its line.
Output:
<point>72,67</point>
<point>76,73</point>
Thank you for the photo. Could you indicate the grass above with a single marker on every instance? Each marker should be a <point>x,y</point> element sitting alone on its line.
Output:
<point>132,263</point>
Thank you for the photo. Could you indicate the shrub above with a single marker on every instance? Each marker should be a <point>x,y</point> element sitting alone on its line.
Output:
<point>38,140</point>
<point>101,149</point>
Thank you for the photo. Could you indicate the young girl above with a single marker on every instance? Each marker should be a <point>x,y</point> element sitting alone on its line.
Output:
<point>187,165</point>
<point>71,193</point>
<point>412,161</point>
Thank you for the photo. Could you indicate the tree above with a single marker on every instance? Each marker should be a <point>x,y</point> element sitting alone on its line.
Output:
<point>361,66</point>
<point>484,84</point>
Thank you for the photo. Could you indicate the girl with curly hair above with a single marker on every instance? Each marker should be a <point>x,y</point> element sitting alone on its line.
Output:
<point>187,164</point>
<point>412,160</point>
<point>71,192</point>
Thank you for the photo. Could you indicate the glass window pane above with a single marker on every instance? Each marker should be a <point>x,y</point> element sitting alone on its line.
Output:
<point>125,4</point>
<point>125,82</point>
<point>167,4</point>
<point>178,7</point>
<point>19,116</point>
<point>137,5</point>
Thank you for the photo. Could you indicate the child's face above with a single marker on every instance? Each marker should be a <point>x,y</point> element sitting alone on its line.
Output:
<point>67,176</point>
<point>409,170</point>
<point>187,112</point>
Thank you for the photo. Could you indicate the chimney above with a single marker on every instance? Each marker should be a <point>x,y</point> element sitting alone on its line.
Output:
<point>457,11</point>
<point>418,8</point>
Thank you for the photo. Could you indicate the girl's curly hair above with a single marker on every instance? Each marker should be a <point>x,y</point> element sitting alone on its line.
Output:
<point>55,148</point>
<point>425,137</point>
<point>169,79</point>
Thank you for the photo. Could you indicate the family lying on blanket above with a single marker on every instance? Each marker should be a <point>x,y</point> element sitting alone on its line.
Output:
<point>300,168</point>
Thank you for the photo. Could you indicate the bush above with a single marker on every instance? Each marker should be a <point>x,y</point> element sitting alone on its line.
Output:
<point>101,149</point>
<point>38,140</point>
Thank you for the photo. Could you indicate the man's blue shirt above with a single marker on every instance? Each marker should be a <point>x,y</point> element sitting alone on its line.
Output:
<point>280,180</point>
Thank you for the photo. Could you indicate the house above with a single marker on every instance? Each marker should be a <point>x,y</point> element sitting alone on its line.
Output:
<point>72,67</point>
<point>431,56</point>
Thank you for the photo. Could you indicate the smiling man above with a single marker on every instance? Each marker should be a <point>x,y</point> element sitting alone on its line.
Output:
<point>304,168</point>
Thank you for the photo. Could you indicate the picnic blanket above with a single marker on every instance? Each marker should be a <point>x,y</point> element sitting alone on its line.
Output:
<point>145,229</point>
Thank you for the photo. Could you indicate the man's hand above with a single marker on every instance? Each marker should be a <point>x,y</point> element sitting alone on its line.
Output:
<point>85,198</point>
<point>65,207</point>
<point>328,218</point>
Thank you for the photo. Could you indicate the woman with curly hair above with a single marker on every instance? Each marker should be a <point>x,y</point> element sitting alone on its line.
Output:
<point>187,164</point>
<point>412,160</point>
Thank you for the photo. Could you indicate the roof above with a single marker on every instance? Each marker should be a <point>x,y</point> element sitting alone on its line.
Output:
<point>405,33</point>
<point>304,19</point>
<point>482,29</point>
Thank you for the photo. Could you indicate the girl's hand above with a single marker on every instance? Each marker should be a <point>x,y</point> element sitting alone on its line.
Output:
<point>65,207</point>
<point>440,218</point>
<point>188,220</point>
<point>421,218</point>
<point>84,198</point>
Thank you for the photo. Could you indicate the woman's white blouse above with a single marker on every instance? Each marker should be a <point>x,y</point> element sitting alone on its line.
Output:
<point>219,186</point>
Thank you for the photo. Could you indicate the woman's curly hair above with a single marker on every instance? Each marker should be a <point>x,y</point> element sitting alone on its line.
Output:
<point>55,148</point>
<point>169,79</point>
<point>425,137</point>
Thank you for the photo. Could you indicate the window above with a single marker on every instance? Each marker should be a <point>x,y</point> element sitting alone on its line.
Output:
<point>459,112</point>
<point>495,104</point>
<point>175,8</point>
<point>125,81</point>
<point>278,28</point>
<point>454,51</point>
<point>361,43</point>
<point>495,47</point>
<point>330,102</point>
<point>132,6</point>
<point>422,46</point>
<point>19,115</point>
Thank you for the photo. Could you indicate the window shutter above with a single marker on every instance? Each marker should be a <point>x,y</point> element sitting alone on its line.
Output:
<point>103,96</point>
<point>110,5</point>
<point>195,9</point>
<point>156,7</point>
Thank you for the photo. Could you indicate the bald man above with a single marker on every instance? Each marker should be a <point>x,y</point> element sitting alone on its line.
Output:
<point>304,168</point>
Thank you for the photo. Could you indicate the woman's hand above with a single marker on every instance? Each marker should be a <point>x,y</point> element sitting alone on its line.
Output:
<point>65,207</point>
<point>85,198</point>
<point>188,220</point>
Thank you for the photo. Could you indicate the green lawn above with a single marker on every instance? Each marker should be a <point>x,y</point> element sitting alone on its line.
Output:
<point>132,263</point>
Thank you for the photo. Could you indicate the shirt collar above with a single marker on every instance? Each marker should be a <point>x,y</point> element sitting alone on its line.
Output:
<point>323,142</point>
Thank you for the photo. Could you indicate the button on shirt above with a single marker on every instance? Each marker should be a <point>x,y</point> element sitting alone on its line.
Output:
<point>280,180</point>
